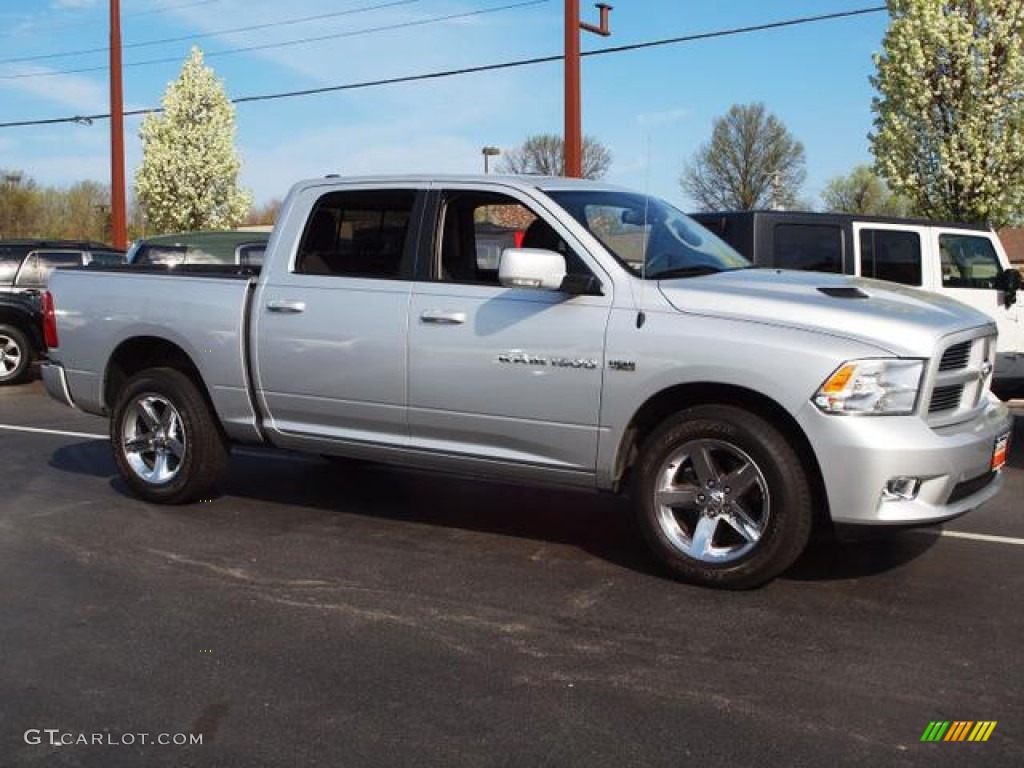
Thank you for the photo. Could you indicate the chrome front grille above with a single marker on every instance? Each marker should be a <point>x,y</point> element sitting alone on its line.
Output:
<point>946,398</point>
<point>956,357</point>
<point>960,376</point>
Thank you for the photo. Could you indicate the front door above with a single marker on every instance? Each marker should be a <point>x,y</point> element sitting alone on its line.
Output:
<point>511,375</point>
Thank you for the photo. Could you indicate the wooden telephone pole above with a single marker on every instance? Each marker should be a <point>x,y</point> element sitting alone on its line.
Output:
<point>118,216</point>
<point>573,160</point>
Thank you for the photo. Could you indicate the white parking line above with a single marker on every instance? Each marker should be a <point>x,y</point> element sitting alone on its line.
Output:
<point>256,452</point>
<point>59,432</point>
<point>972,536</point>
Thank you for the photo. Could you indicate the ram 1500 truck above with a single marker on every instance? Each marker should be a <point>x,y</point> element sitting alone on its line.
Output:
<point>615,345</point>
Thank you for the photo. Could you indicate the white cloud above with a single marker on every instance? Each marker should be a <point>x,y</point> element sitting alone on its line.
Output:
<point>75,92</point>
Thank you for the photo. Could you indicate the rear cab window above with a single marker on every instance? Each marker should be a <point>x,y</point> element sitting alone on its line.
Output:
<point>39,265</point>
<point>359,233</point>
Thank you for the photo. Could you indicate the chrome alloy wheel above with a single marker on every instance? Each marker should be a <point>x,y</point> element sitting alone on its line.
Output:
<point>711,501</point>
<point>10,355</point>
<point>153,439</point>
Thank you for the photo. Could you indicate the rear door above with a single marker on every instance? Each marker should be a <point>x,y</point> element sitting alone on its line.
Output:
<point>503,374</point>
<point>330,320</point>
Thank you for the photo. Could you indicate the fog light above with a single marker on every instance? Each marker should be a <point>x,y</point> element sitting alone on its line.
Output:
<point>901,489</point>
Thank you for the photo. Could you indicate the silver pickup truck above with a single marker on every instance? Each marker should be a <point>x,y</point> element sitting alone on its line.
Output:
<point>546,330</point>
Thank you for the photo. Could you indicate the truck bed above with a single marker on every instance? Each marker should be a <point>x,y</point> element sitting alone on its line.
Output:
<point>203,309</point>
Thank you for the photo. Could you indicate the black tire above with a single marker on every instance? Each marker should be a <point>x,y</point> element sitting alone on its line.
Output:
<point>167,442</point>
<point>15,355</point>
<point>722,498</point>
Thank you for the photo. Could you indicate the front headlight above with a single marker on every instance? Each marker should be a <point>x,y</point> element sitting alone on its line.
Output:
<point>881,386</point>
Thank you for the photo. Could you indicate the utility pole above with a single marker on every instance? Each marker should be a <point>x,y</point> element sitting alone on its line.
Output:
<point>118,217</point>
<point>573,143</point>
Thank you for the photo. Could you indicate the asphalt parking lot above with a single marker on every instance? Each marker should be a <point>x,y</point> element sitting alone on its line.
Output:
<point>379,617</point>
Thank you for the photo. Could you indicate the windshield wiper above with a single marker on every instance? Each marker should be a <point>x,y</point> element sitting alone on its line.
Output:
<point>694,271</point>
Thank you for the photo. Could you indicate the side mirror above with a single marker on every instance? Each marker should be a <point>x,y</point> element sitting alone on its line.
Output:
<point>531,268</point>
<point>1008,282</point>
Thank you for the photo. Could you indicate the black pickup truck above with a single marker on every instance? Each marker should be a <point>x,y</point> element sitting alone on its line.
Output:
<point>25,266</point>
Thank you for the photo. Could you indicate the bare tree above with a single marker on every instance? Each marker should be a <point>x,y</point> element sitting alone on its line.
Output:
<point>544,154</point>
<point>752,161</point>
<point>263,214</point>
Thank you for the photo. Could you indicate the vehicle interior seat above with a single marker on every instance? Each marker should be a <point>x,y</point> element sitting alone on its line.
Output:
<point>319,244</point>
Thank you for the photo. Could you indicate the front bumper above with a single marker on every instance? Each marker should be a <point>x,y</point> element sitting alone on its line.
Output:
<point>56,383</point>
<point>858,456</point>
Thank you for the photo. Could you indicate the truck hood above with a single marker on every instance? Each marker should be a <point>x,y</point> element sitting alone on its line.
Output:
<point>899,320</point>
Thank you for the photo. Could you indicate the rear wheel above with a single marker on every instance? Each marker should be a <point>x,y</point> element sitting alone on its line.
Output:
<point>167,443</point>
<point>722,497</point>
<point>15,355</point>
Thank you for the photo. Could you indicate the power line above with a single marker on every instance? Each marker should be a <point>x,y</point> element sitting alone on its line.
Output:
<point>151,12</point>
<point>485,67</point>
<point>288,43</point>
<point>251,28</point>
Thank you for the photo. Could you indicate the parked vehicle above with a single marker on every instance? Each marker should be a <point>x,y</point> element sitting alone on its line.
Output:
<point>218,247</point>
<point>25,266</point>
<point>621,346</point>
<point>961,261</point>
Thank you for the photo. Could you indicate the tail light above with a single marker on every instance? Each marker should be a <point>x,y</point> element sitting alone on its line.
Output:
<point>49,321</point>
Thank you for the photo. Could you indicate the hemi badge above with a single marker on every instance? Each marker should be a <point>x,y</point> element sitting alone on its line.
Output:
<point>622,365</point>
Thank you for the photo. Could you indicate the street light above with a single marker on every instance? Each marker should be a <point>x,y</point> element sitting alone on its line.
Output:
<point>489,152</point>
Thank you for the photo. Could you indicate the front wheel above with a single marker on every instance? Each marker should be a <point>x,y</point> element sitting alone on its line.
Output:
<point>722,497</point>
<point>15,355</point>
<point>166,440</point>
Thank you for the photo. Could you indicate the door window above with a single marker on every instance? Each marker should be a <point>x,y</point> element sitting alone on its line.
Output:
<point>968,261</point>
<point>891,254</point>
<point>358,234</point>
<point>476,227</point>
<point>813,247</point>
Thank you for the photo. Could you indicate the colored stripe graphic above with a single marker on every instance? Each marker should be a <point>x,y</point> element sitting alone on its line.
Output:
<point>935,730</point>
<point>982,731</point>
<point>958,730</point>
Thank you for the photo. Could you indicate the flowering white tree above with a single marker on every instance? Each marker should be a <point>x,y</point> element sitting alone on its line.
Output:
<point>949,125</point>
<point>188,179</point>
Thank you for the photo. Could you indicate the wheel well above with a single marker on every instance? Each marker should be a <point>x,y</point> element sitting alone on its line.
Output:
<point>24,323</point>
<point>672,400</point>
<point>140,353</point>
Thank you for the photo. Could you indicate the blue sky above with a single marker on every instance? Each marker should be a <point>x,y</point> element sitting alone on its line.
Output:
<point>653,107</point>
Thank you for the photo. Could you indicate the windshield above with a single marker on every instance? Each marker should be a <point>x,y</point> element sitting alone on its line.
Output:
<point>635,227</point>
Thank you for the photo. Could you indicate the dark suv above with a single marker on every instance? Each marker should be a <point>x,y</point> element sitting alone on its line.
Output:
<point>25,266</point>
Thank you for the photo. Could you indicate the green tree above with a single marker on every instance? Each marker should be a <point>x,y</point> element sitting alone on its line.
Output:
<point>19,204</point>
<point>544,154</point>
<point>188,178</point>
<point>864,193</point>
<point>752,161</point>
<point>949,115</point>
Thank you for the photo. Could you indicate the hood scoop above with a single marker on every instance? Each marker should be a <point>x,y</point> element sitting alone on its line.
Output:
<point>844,292</point>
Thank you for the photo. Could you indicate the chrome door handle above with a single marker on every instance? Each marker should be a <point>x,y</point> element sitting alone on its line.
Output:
<point>443,317</point>
<point>286,307</point>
